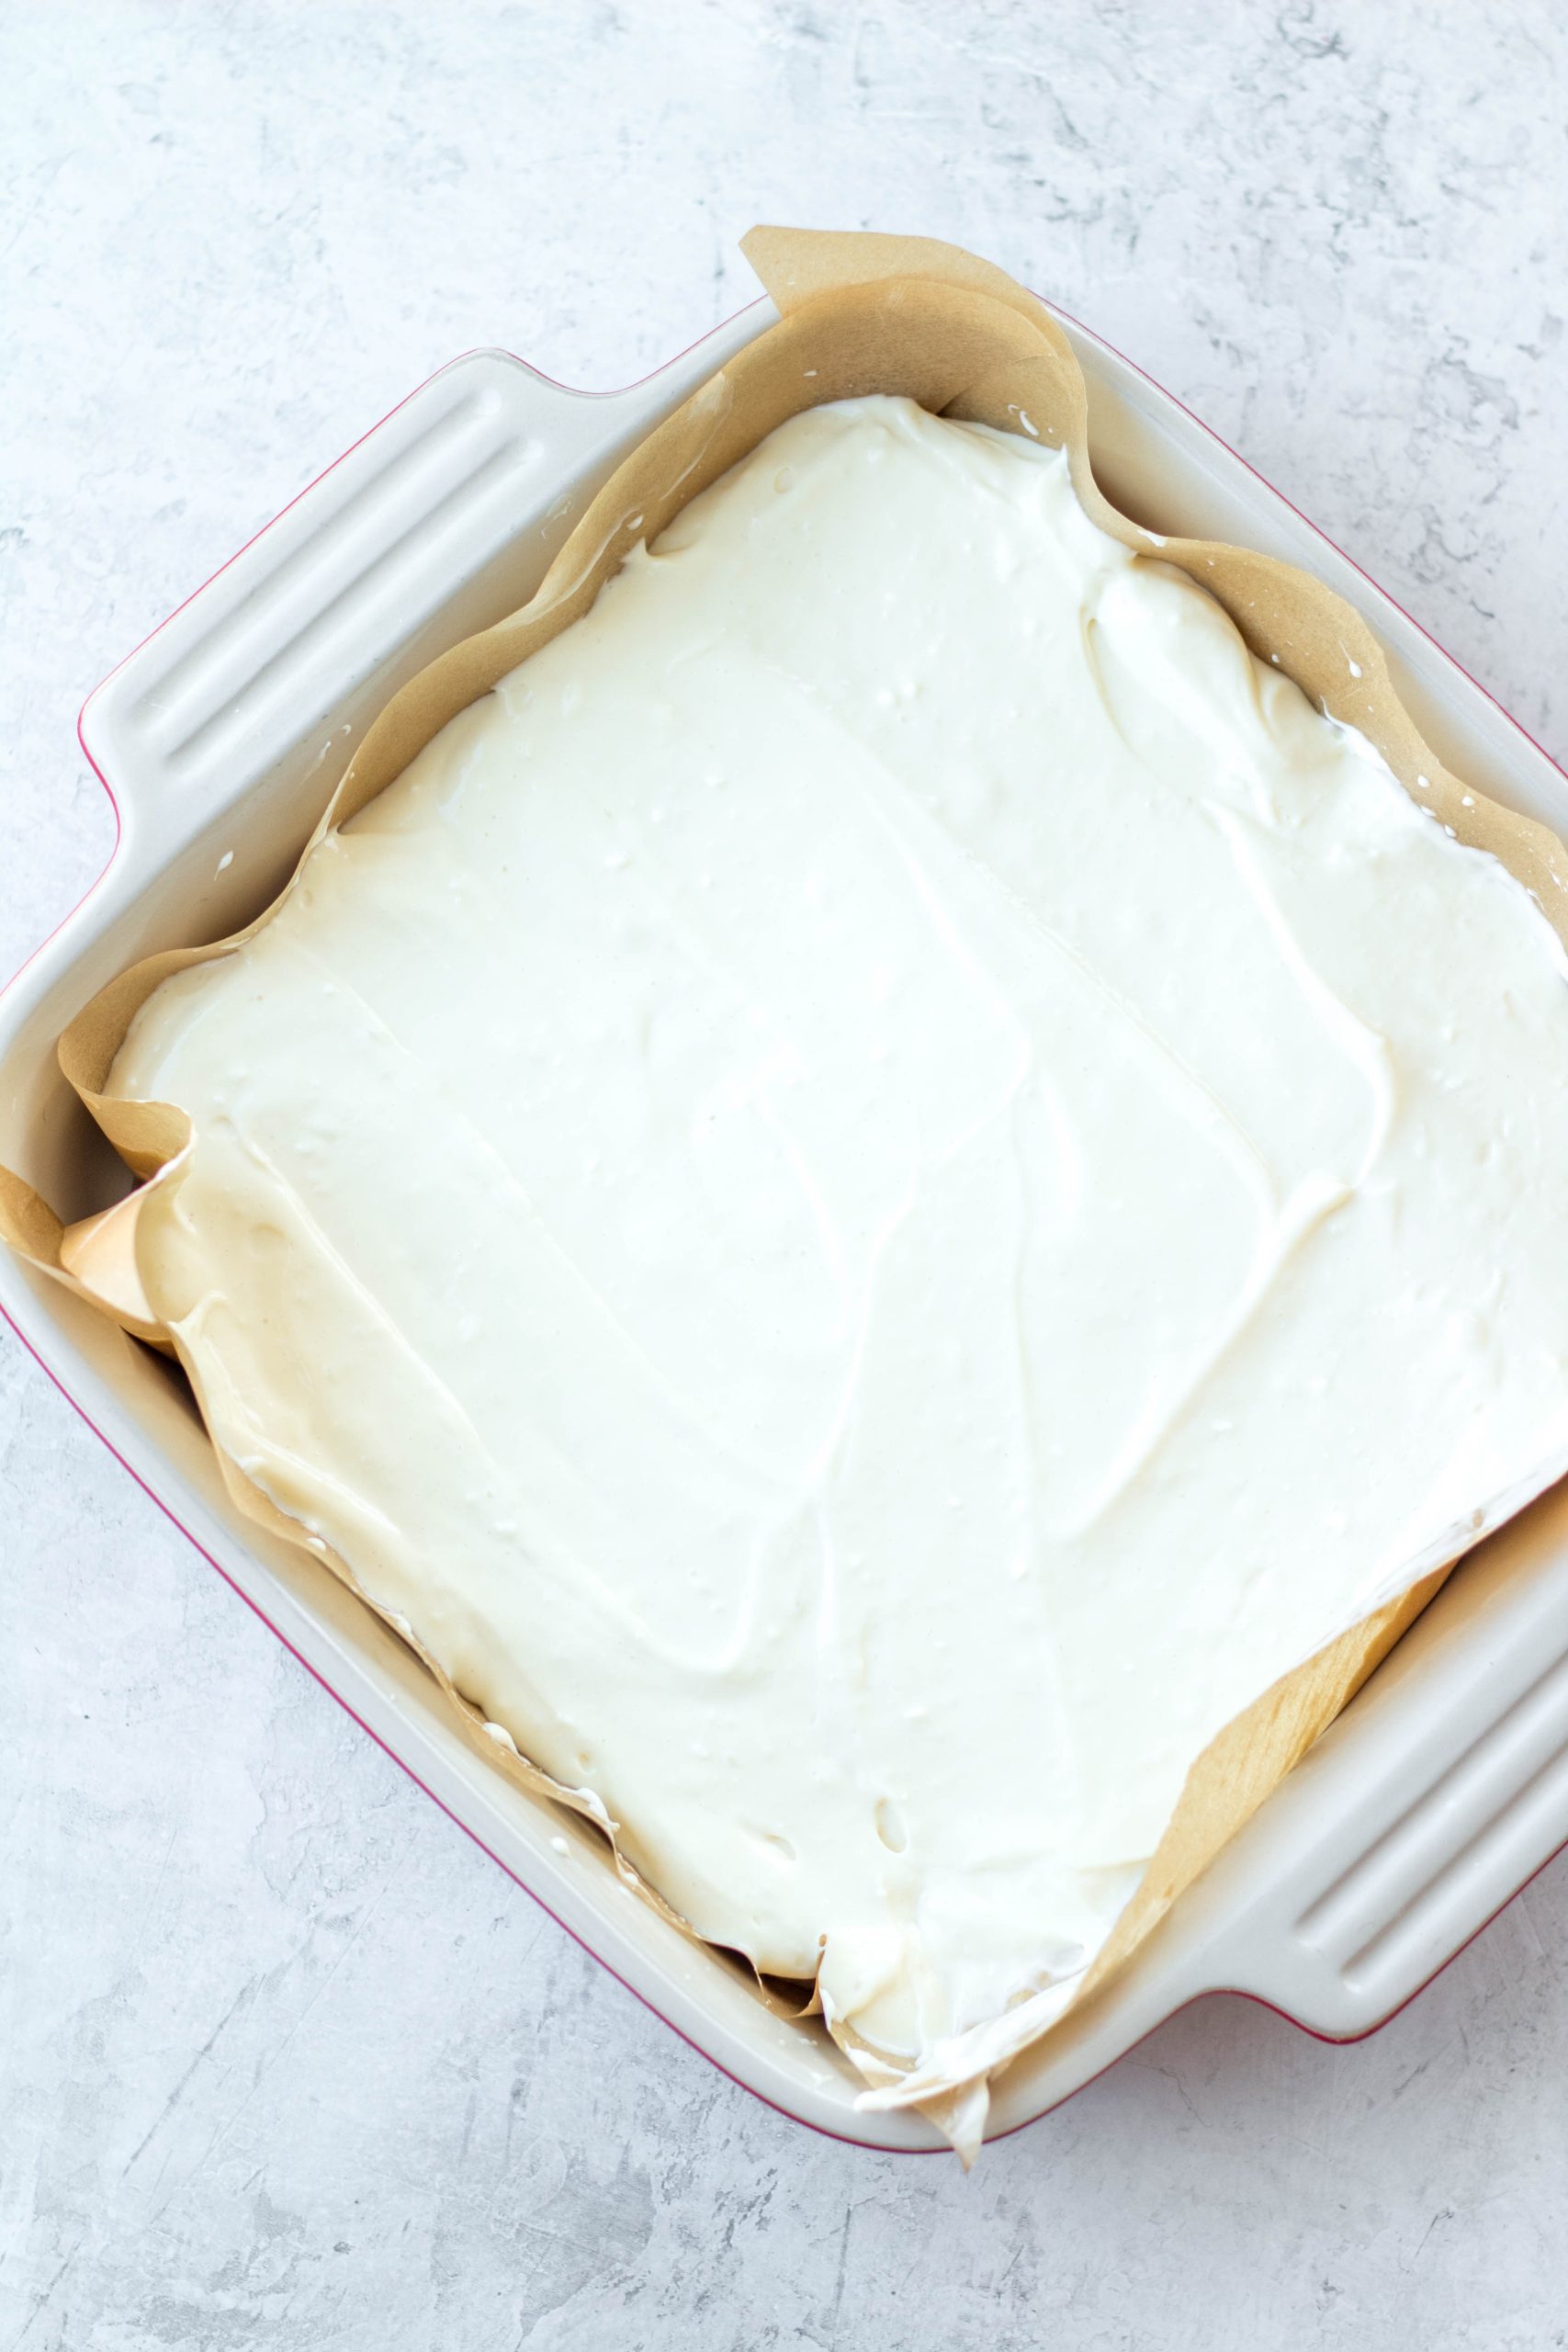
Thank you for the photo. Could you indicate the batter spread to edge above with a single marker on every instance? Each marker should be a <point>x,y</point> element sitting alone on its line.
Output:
<point>872,1195</point>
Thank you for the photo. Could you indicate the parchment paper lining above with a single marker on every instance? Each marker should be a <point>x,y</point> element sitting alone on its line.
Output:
<point>860,314</point>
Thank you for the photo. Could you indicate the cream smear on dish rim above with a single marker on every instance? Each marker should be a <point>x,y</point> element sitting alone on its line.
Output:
<point>872,1195</point>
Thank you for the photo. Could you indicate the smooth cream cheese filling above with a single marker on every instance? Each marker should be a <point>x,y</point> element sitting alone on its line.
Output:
<point>871,1197</point>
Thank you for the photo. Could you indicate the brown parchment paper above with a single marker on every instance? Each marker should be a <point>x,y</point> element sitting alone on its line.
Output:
<point>860,313</point>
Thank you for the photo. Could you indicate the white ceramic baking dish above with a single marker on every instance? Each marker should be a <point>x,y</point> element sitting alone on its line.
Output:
<point>1440,1791</point>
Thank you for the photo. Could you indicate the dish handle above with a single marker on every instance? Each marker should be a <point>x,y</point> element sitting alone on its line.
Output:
<point>441,519</point>
<point>1418,1816</point>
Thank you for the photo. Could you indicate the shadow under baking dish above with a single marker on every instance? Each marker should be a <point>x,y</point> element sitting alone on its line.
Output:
<point>1438,1792</point>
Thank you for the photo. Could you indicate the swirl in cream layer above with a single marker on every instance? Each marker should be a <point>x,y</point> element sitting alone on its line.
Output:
<point>873,1194</point>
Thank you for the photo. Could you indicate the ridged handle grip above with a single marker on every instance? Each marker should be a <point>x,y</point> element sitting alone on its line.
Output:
<point>1441,1791</point>
<point>443,518</point>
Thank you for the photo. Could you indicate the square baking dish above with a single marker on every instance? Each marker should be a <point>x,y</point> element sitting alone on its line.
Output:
<point>1437,1793</point>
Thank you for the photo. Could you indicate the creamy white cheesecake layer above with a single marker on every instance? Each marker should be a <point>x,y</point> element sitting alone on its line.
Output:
<point>872,1195</point>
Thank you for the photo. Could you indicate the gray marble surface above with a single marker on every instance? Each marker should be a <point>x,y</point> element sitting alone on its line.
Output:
<point>284,2061</point>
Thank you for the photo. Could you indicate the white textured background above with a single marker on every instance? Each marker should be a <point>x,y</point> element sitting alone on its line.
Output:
<point>284,2061</point>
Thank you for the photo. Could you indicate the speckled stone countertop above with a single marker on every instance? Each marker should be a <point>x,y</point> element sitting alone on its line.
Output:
<point>284,2061</point>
